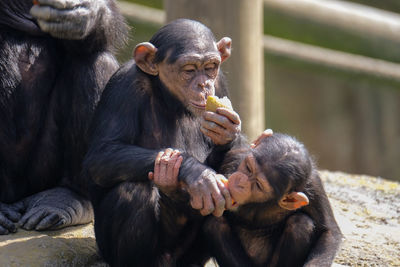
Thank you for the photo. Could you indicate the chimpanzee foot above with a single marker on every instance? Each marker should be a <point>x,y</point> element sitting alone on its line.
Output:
<point>54,209</point>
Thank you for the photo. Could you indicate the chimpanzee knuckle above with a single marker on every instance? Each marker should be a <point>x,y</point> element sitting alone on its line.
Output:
<point>196,203</point>
<point>224,121</point>
<point>219,202</point>
<point>208,208</point>
<point>204,212</point>
<point>6,223</point>
<point>176,168</point>
<point>209,125</point>
<point>44,26</point>
<point>218,211</point>
<point>59,4</point>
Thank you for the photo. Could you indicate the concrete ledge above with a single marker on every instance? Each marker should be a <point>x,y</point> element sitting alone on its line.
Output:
<point>72,246</point>
<point>366,208</point>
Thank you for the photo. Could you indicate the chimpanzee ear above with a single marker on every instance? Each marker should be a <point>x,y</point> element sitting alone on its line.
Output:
<point>144,54</point>
<point>224,47</point>
<point>294,201</point>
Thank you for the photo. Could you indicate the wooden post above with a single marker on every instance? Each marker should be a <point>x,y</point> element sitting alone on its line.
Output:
<point>242,21</point>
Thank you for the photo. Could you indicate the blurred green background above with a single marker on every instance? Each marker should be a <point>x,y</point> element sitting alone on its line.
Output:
<point>348,120</point>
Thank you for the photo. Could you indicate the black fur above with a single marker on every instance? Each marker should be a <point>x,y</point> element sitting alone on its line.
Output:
<point>48,92</point>
<point>135,224</point>
<point>307,236</point>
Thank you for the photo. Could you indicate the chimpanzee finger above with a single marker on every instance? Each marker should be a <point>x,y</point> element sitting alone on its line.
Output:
<point>230,114</point>
<point>208,205</point>
<point>171,178</point>
<point>266,133</point>
<point>196,201</point>
<point>214,122</point>
<point>12,215</point>
<point>157,166</point>
<point>48,222</point>
<point>18,206</point>
<point>31,219</point>
<point>216,138</point>
<point>221,118</point>
<point>219,203</point>
<point>225,193</point>
<point>62,4</point>
<point>50,14</point>
<point>59,27</point>
<point>221,125</point>
<point>161,178</point>
<point>6,225</point>
<point>177,166</point>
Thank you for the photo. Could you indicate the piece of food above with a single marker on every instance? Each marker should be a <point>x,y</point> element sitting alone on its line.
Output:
<point>225,182</point>
<point>214,102</point>
<point>35,2</point>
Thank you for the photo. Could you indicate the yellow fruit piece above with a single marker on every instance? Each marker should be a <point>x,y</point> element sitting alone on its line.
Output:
<point>214,102</point>
<point>225,181</point>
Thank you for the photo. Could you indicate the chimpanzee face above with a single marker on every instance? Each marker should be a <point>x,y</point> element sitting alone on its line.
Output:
<point>192,78</point>
<point>192,74</point>
<point>248,184</point>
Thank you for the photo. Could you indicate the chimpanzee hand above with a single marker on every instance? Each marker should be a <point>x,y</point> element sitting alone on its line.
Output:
<point>166,170</point>
<point>68,19</point>
<point>9,214</point>
<point>266,133</point>
<point>208,194</point>
<point>53,209</point>
<point>222,126</point>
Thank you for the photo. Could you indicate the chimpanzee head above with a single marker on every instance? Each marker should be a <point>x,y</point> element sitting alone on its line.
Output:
<point>186,58</point>
<point>275,170</point>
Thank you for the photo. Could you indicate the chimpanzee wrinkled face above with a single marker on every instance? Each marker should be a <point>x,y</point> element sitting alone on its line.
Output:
<point>273,171</point>
<point>192,77</point>
<point>186,58</point>
<point>249,183</point>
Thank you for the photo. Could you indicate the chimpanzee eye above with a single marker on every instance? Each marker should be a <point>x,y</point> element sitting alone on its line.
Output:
<point>210,67</point>
<point>248,169</point>
<point>189,69</point>
<point>259,186</point>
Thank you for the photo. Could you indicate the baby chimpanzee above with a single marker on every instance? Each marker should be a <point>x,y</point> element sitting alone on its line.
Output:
<point>281,215</point>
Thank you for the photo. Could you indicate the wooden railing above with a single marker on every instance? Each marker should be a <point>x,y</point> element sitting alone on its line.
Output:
<point>351,16</point>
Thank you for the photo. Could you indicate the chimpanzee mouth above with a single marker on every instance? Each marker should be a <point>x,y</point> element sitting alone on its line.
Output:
<point>198,105</point>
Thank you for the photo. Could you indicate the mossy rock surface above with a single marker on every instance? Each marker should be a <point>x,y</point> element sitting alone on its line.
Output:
<point>366,208</point>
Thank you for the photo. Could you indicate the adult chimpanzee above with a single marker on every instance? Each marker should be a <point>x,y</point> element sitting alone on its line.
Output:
<point>55,59</point>
<point>282,215</point>
<point>158,102</point>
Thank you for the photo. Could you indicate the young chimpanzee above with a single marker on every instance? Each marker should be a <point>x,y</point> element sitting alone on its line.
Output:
<point>281,215</point>
<point>154,103</point>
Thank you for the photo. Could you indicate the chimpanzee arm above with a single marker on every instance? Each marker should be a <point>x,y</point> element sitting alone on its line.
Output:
<point>218,153</point>
<point>328,233</point>
<point>115,162</point>
<point>115,154</point>
<point>295,240</point>
<point>223,244</point>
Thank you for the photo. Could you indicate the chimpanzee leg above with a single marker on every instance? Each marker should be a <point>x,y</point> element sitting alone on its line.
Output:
<point>126,225</point>
<point>223,244</point>
<point>295,242</point>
